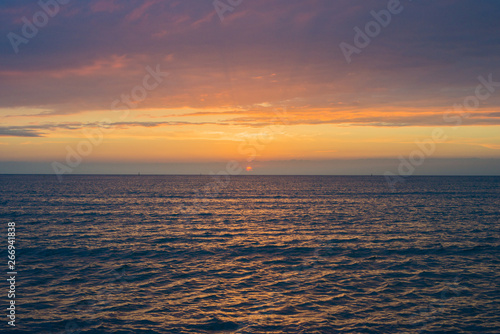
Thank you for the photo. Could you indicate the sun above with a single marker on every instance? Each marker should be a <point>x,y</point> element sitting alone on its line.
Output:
<point>249,168</point>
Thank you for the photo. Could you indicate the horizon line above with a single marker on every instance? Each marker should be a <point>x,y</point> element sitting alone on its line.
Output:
<point>204,174</point>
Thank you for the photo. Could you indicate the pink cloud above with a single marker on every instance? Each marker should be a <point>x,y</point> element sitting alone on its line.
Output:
<point>137,13</point>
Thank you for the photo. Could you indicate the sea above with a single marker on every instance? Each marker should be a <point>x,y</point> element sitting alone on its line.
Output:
<point>251,254</point>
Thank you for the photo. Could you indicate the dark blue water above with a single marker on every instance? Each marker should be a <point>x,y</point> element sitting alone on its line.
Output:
<point>253,254</point>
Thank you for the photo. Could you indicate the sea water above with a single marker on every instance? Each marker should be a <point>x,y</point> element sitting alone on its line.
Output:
<point>253,254</point>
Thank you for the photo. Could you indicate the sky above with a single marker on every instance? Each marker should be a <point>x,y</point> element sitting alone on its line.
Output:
<point>279,86</point>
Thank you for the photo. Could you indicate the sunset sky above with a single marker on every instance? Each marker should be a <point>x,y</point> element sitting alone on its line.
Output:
<point>164,86</point>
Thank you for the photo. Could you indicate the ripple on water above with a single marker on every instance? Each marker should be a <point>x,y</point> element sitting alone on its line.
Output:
<point>111,254</point>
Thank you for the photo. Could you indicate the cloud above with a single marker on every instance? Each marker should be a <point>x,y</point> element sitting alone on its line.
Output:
<point>15,132</point>
<point>286,50</point>
<point>261,118</point>
<point>44,129</point>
